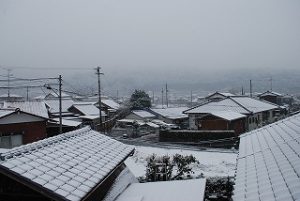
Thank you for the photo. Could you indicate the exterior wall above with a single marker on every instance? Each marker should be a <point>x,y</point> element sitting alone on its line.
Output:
<point>238,126</point>
<point>272,99</point>
<point>215,123</point>
<point>255,121</point>
<point>31,131</point>
<point>192,122</point>
<point>212,123</point>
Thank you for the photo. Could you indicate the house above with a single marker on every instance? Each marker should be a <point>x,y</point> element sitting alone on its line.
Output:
<point>258,112</point>
<point>18,127</point>
<point>78,165</point>
<point>268,163</point>
<point>223,120</point>
<point>217,96</point>
<point>134,128</point>
<point>68,124</point>
<point>140,115</point>
<point>53,107</point>
<point>172,115</point>
<point>88,113</point>
<point>33,107</point>
<point>272,97</point>
<point>110,107</point>
<point>11,97</point>
<point>55,95</point>
<point>276,98</point>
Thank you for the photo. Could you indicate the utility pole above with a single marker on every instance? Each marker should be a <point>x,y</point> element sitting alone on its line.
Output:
<point>152,97</point>
<point>271,83</point>
<point>98,73</point>
<point>167,94</point>
<point>60,104</point>
<point>191,98</point>
<point>162,98</point>
<point>27,93</point>
<point>251,88</point>
<point>8,82</point>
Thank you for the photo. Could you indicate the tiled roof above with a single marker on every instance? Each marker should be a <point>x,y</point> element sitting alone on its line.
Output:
<point>87,108</point>
<point>268,166</point>
<point>54,105</point>
<point>225,94</point>
<point>171,113</point>
<point>223,105</point>
<point>143,114</point>
<point>254,105</point>
<point>111,103</point>
<point>271,93</point>
<point>243,105</point>
<point>33,107</point>
<point>67,122</point>
<point>68,165</point>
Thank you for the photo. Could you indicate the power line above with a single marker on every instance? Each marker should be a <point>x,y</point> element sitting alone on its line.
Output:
<point>29,79</point>
<point>47,68</point>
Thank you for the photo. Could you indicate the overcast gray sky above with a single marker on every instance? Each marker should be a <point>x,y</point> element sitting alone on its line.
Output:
<point>157,38</point>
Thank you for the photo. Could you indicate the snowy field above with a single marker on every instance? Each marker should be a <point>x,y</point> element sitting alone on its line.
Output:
<point>211,163</point>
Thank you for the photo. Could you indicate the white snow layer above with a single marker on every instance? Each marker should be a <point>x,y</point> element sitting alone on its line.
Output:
<point>210,163</point>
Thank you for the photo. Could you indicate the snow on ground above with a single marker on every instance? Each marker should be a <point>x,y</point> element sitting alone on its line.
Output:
<point>210,163</point>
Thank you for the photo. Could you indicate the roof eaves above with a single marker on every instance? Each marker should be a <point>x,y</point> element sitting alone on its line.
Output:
<point>86,197</point>
<point>184,112</point>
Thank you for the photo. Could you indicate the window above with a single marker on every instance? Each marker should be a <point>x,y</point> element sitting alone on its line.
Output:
<point>10,141</point>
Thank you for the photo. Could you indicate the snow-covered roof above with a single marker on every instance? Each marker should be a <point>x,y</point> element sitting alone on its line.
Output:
<point>270,93</point>
<point>223,105</point>
<point>139,122</point>
<point>11,96</point>
<point>268,165</point>
<point>171,113</point>
<point>187,190</point>
<point>54,105</point>
<point>153,125</point>
<point>254,105</point>
<point>4,113</point>
<point>143,113</point>
<point>7,112</point>
<point>111,103</point>
<point>86,109</point>
<point>243,105</point>
<point>3,150</point>
<point>67,122</point>
<point>56,95</point>
<point>228,115</point>
<point>68,166</point>
<point>224,94</point>
<point>92,117</point>
<point>33,107</point>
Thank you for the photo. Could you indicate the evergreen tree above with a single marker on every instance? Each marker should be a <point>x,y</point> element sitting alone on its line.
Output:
<point>140,99</point>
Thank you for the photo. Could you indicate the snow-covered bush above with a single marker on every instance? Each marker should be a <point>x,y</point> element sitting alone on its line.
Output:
<point>161,168</point>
